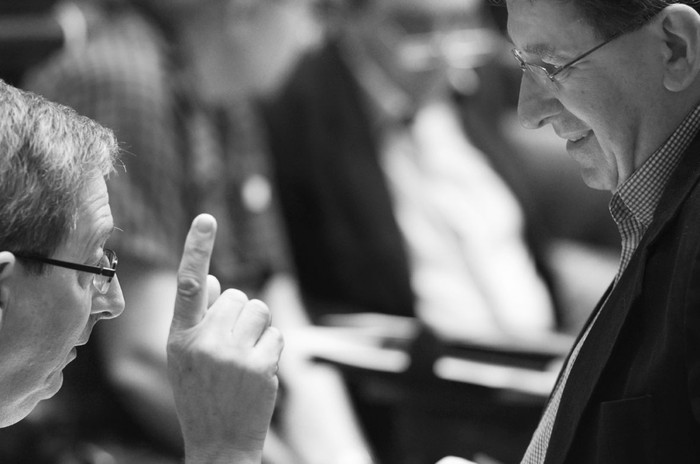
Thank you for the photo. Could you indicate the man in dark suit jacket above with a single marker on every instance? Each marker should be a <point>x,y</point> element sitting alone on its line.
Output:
<point>622,85</point>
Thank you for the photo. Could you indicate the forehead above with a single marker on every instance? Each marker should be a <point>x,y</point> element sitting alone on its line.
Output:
<point>547,26</point>
<point>94,220</point>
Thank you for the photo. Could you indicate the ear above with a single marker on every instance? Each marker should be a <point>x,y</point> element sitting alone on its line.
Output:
<point>680,28</point>
<point>7,266</point>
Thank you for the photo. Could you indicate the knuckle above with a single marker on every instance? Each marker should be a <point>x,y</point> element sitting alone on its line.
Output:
<point>235,296</point>
<point>188,286</point>
<point>259,309</point>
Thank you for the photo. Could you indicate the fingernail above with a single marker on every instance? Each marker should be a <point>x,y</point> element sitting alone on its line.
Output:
<point>204,224</point>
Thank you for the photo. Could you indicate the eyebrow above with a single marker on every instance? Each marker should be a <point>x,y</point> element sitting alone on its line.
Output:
<point>542,50</point>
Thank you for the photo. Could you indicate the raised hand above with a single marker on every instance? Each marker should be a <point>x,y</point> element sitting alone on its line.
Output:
<point>222,360</point>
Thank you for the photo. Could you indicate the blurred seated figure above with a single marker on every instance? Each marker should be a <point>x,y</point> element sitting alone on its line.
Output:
<point>399,192</point>
<point>175,80</point>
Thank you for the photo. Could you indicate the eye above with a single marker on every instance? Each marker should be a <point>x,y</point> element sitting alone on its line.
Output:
<point>103,261</point>
<point>99,258</point>
<point>550,67</point>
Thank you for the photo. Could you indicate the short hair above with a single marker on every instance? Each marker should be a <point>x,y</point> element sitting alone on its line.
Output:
<point>48,154</point>
<point>610,17</point>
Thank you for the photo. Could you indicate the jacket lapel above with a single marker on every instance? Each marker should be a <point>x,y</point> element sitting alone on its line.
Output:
<point>601,340</point>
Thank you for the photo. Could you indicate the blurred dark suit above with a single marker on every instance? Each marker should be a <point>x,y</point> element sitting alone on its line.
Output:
<point>346,243</point>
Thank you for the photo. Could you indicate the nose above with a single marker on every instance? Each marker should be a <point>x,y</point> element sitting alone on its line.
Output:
<point>537,104</point>
<point>109,305</point>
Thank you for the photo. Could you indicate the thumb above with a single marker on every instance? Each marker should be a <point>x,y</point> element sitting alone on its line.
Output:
<point>192,288</point>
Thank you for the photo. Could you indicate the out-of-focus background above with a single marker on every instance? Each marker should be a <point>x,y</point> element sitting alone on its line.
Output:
<point>428,259</point>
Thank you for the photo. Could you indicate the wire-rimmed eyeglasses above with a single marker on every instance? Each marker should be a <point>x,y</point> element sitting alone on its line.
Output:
<point>103,273</point>
<point>549,73</point>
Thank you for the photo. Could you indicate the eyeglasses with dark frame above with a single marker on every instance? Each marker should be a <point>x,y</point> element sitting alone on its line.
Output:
<point>542,71</point>
<point>103,274</point>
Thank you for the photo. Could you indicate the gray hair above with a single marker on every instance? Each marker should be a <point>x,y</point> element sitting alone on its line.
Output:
<point>48,154</point>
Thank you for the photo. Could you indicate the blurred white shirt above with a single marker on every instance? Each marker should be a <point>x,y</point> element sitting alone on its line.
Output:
<point>472,272</point>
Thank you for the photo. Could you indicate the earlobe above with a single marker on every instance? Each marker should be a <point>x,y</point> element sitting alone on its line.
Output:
<point>681,34</point>
<point>7,265</point>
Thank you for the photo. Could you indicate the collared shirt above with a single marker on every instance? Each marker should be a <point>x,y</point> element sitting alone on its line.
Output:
<point>633,205</point>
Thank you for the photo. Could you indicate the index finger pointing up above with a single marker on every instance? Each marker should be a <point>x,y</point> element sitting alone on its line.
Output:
<point>191,299</point>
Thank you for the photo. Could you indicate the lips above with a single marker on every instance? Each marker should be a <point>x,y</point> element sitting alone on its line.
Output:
<point>573,137</point>
<point>577,138</point>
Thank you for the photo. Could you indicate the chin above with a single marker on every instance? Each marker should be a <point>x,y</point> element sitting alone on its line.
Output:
<point>7,420</point>
<point>594,180</point>
<point>14,412</point>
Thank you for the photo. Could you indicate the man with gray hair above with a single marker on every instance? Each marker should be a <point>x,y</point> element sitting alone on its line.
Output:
<point>57,279</point>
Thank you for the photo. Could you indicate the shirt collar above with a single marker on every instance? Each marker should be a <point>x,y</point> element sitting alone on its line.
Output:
<point>640,194</point>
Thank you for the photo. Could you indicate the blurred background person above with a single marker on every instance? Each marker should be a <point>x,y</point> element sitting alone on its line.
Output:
<point>402,192</point>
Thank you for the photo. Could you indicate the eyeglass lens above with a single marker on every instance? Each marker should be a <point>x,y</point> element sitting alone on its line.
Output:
<point>538,71</point>
<point>102,282</point>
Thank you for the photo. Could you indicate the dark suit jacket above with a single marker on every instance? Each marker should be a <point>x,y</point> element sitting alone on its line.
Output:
<point>346,244</point>
<point>633,395</point>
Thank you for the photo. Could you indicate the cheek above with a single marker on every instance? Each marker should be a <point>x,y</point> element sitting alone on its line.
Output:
<point>45,319</point>
<point>68,312</point>
<point>602,107</point>
<point>40,347</point>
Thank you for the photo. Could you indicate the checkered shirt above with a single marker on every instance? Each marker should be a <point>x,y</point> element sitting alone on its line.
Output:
<point>632,208</point>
